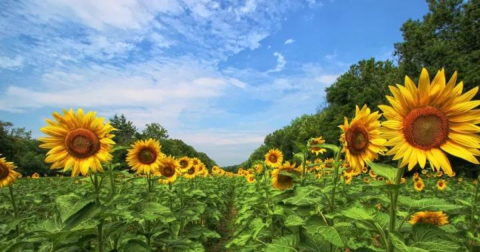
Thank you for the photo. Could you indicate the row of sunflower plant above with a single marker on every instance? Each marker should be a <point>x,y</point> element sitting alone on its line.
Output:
<point>350,203</point>
<point>164,204</point>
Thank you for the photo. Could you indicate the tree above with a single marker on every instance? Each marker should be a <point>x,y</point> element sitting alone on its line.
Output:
<point>126,131</point>
<point>155,131</point>
<point>447,37</point>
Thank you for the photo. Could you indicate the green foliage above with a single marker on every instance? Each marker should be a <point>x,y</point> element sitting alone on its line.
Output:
<point>447,37</point>
<point>17,146</point>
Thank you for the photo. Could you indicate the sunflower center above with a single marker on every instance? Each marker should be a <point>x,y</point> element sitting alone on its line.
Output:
<point>440,184</point>
<point>315,142</point>
<point>357,139</point>
<point>4,171</point>
<point>273,158</point>
<point>426,128</point>
<point>147,156</point>
<point>168,171</point>
<point>191,171</point>
<point>283,179</point>
<point>183,163</point>
<point>82,143</point>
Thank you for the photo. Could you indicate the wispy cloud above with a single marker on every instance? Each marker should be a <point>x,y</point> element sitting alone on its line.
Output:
<point>289,41</point>
<point>11,63</point>
<point>281,62</point>
<point>156,61</point>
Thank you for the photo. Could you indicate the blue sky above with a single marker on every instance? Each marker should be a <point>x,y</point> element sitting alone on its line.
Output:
<point>219,75</point>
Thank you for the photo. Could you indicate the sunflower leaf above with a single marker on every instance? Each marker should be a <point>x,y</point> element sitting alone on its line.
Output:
<point>384,170</point>
<point>332,147</point>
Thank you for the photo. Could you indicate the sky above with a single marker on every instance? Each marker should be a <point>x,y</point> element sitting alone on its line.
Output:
<point>220,75</point>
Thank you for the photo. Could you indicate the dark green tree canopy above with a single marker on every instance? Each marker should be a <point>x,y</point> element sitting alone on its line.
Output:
<point>447,37</point>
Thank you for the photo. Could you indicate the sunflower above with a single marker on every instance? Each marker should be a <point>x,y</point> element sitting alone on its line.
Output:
<point>361,138</point>
<point>7,173</point>
<point>185,163</point>
<point>35,176</point>
<point>366,180</point>
<point>190,174</point>
<point>349,172</point>
<point>169,168</point>
<point>441,184</point>
<point>460,179</point>
<point>204,172</point>
<point>215,169</point>
<point>329,163</point>
<point>433,218</point>
<point>250,179</point>
<point>364,170</point>
<point>281,181</point>
<point>418,185</point>
<point>426,121</point>
<point>81,142</point>
<point>258,168</point>
<point>372,174</point>
<point>145,156</point>
<point>274,158</point>
<point>380,178</point>
<point>316,141</point>
<point>200,168</point>
<point>196,161</point>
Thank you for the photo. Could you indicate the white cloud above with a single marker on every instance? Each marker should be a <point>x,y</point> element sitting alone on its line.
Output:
<point>281,62</point>
<point>154,61</point>
<point>289,41</point>
<point>11,63</point>
<point>327,78</point>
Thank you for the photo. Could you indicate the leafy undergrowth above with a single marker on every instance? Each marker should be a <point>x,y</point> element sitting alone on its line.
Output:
<point>63,214</point>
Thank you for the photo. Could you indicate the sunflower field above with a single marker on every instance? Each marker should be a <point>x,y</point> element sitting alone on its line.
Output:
<point>327,198</point>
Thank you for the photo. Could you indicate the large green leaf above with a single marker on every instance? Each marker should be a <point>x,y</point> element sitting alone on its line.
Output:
<point>384,170</point>
<point>329,233</point>
<point>294,220</point>
<point>303,197</point>
<point>357,213</point>
<point>82,216</point>
<point>256,225</point>
<point>428,204</point>
<point>155,211</point>
<point>70,204</point>
<point>437,245</point>
<point>283,244</point>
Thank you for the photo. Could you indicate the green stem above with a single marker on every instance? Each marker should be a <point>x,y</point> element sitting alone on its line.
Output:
<point>267,193</point>
<point>100,236</point>
<point>393,203</point>
<point>112,181</point>
<point>15,210</point>
<point>147,222</point>
<point>335,181</point>
<point>96,185</point>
